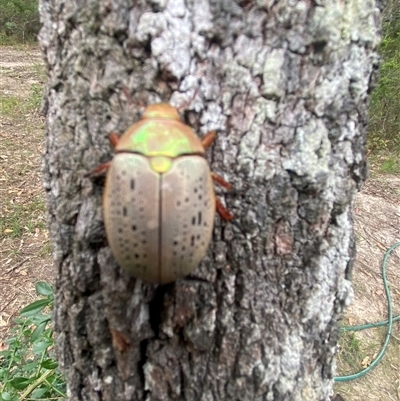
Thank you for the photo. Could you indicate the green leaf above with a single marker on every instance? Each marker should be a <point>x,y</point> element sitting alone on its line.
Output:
<point>37,333</point>
<point>21,383</point>
<point>12,340</point>
<point>6,396</point>
<point>51,378</point>
<point>17,358</point>
<point>30,366</point>
<point>27,332</point>
<point>43,288</point>
<point>5,353</point>
<point>41,346</point>
<point>46,317</point>
<point>38,393</point>
<point>35,307</point>
<point>49,364</point>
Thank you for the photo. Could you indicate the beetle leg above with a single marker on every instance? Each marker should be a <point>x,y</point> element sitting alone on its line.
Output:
<point>99,169</point>
<point>208,138</point>
<point>225,215</point>
<point>113,138</point>
<point>223,211</point>
<point>217,178</point>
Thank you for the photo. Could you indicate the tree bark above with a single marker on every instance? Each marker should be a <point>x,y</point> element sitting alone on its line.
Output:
<point>286,84</point>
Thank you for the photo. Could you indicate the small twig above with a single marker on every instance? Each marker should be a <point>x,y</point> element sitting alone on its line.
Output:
<point>5,306</point>
<point>17,265</point>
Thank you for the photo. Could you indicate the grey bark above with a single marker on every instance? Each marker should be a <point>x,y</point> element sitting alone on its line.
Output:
<point>286,84</point>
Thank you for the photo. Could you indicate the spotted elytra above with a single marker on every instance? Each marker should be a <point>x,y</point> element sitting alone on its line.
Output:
<point>159,200</point>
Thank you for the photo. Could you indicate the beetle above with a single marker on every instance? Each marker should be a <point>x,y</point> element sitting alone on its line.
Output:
<point>159,201</point>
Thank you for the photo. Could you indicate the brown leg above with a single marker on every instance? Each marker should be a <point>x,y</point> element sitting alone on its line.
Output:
<point>217,178</point>
<point>223,211</point>
<point>113,138</point>
<point>99,169</point>
<point>208,138</point>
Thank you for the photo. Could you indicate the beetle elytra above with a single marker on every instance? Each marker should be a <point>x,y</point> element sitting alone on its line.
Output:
<point>159,200</point>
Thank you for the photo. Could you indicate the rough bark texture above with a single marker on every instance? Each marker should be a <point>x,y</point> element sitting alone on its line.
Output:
<point>286,84</point>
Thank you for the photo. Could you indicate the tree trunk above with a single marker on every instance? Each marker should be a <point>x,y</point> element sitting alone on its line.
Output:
<point>286,84</point>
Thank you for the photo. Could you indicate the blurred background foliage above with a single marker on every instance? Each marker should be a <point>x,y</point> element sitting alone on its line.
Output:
<point>384,125</point>
<point>19,21</point>
<point>19,24</point>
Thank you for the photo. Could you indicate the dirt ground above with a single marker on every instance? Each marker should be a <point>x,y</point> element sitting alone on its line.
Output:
<point>377,226</point>
<point>25,256</point>
<point>24,248</point>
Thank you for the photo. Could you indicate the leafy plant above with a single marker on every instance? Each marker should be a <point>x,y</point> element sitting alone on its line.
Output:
<point>384,125</point>
<point>28,368</point>
<point>19,21</point>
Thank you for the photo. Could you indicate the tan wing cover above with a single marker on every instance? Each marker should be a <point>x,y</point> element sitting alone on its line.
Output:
<point>158,225</point>
<point>188,210</point>
<point>131,215</point>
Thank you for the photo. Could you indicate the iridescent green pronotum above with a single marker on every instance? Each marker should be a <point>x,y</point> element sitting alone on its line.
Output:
<point>159,201</point>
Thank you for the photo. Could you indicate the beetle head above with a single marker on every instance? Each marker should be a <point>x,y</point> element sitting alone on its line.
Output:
<point>161,110</point>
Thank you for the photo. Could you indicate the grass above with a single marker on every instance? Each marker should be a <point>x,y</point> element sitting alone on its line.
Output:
<point>390,165</point>
<point>9,104</point>
<point>385,162</point>
<point>351,353</point>
<point>19,213</point>
<point>357,351</point>
<point>18,219</point>
<point>12,105</point>
<point>40,72</point>
<point>35,98</point>
<point>46,250</point>
<point>16,41</point>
